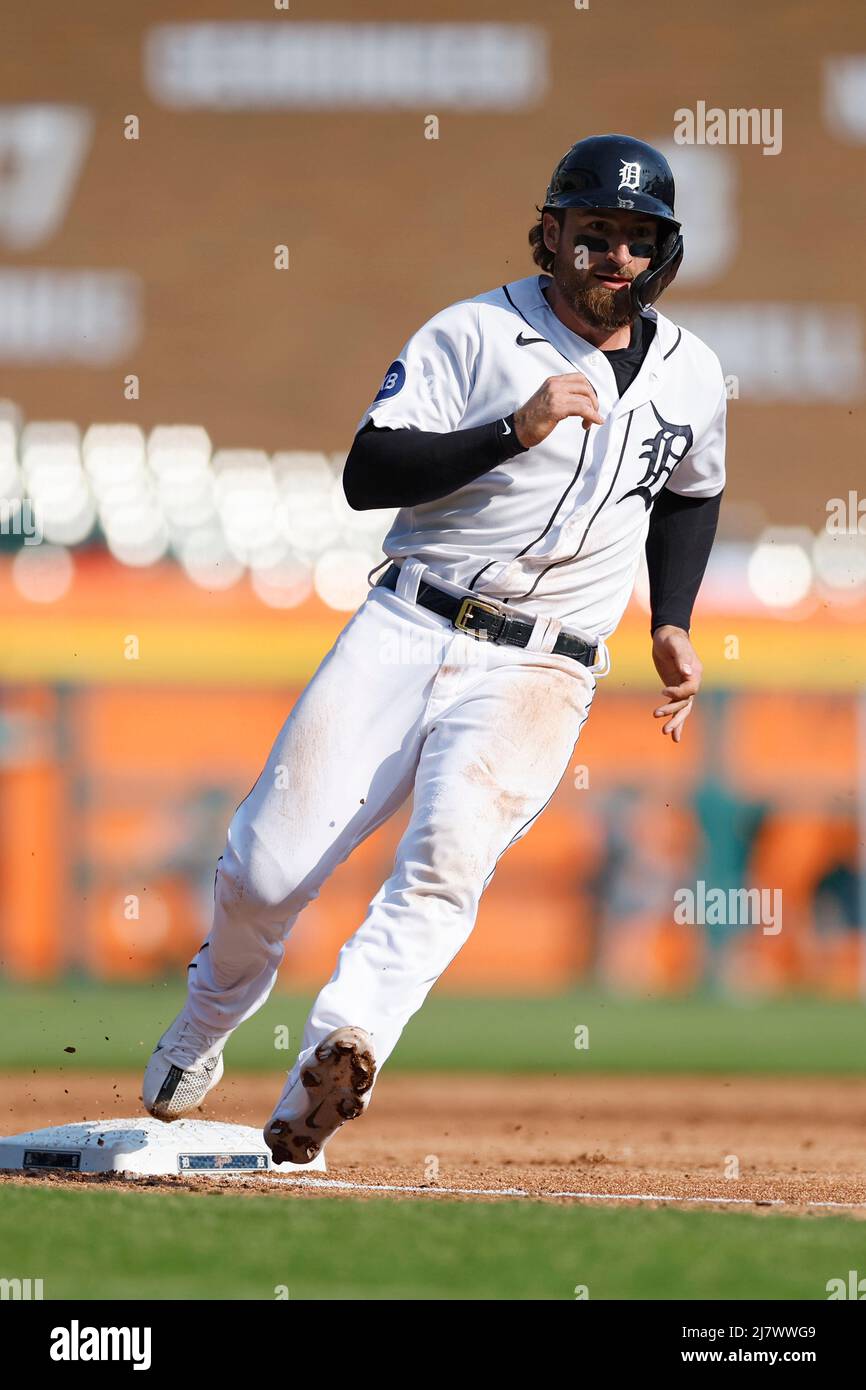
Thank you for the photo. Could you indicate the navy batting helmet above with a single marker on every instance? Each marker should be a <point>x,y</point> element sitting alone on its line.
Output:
<point>618,172</point>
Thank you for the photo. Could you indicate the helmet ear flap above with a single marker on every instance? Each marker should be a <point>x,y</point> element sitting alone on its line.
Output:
<point>648,286</point>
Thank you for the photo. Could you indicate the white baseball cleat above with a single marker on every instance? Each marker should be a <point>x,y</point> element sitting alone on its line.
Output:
<point>186,1063</point>
<point>335,1079</point>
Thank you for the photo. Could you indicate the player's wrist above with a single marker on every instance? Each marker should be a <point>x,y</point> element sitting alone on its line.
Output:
<point>509,438</point>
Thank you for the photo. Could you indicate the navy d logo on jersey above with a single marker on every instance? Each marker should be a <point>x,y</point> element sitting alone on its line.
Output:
<point>395,380</point>
<point>662,452</point>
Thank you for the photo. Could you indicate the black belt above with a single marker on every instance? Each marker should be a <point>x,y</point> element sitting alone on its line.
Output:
<point>484,620</point>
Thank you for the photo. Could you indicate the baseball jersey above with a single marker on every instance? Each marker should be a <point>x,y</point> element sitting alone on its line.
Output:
<point>557,530</point>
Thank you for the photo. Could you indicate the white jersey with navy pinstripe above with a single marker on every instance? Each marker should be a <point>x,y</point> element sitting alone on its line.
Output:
<point>559,529</point>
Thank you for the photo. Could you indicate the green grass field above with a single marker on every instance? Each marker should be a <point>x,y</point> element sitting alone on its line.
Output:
<point>117,1245</point>
<point>90,1243</point>
<point>115,1028</point>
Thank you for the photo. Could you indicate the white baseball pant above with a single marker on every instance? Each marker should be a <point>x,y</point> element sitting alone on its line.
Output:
<point>403,701</point>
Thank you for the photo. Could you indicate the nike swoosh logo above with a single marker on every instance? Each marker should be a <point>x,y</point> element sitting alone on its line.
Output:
<point>524,342</point>
<point>311,1118</point>
<point>506,429</point>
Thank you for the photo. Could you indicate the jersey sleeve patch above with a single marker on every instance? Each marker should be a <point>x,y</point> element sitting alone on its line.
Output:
<point>395,380</point>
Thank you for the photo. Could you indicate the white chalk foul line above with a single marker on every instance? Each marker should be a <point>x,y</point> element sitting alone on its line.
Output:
<point>345,1184</point>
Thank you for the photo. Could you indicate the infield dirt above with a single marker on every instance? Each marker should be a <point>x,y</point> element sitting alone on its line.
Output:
<point>796,1141</point>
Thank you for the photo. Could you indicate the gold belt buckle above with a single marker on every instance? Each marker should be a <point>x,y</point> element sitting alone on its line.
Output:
<point>465,609</point>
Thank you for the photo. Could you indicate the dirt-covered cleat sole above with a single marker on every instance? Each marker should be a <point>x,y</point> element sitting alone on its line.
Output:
<point>335,1079</point>
<point>184,1066</point>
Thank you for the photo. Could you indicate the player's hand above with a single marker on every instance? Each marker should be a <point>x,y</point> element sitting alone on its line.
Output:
<point>556,399</point>
<point>680,668</point>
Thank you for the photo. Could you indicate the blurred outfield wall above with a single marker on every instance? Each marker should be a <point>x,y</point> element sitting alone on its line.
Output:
<point>119,774</point>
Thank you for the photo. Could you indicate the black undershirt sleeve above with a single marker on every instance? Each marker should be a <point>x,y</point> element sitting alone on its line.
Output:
<point>403,468</point>
<point>678,545</point>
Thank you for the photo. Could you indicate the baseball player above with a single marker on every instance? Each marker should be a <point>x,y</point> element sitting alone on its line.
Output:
<point>535,439</point>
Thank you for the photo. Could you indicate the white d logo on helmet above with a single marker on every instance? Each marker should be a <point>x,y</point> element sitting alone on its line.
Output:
<point>629,176</point>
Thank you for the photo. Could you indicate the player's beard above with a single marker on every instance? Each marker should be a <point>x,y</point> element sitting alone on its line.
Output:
<point>591,301</point>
